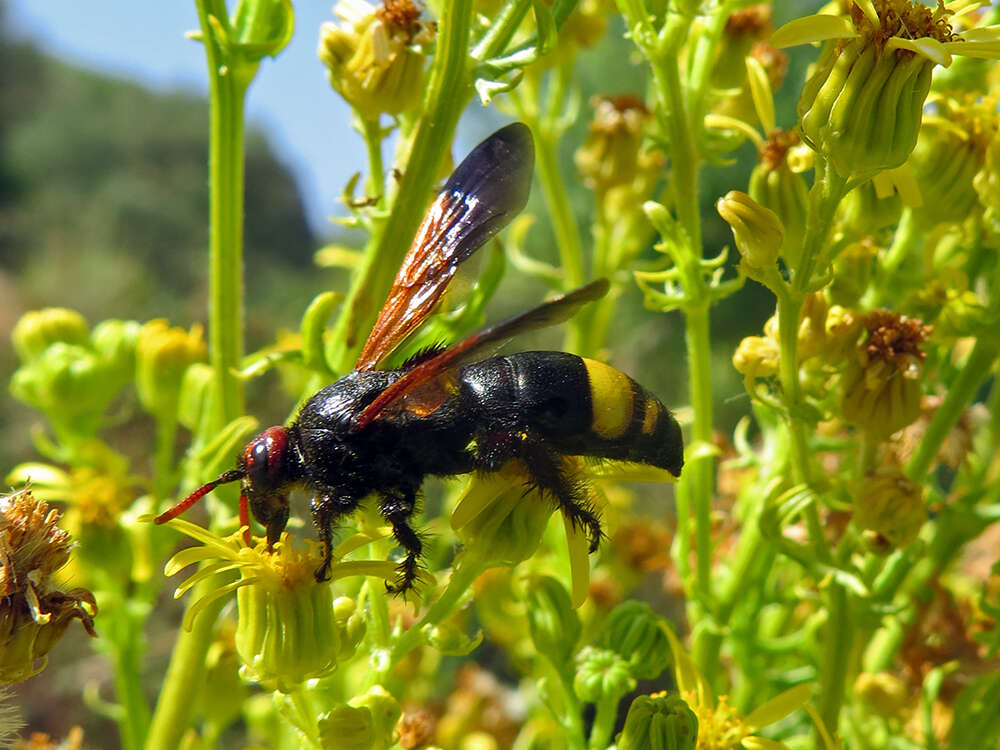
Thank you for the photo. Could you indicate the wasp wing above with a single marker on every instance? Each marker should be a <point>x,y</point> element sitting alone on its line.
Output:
<point>546,314</point>
<point>482,195</point>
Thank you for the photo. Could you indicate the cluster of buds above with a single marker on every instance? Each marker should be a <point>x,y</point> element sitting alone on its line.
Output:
<point>375,56</point>
<point>68,372</point>
<point>882,383</point>
<point>34,610</point>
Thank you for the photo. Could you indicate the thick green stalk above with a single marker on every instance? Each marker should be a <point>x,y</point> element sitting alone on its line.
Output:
<point>127,653</point>
<point>448,91</point>
<point>228,82</point>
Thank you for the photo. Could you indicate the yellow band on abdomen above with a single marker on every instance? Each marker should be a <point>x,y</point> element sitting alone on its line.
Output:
<point>612,399</point>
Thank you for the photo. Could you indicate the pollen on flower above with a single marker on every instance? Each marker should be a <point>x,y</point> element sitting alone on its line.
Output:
<point>905,20</point>
<point>402,15</point>
<point>720,726</point>
<point>895,338</point>
<point>776,149</point>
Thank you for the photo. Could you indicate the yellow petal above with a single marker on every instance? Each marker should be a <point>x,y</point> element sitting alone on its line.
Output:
<point>809,29</point>
<point>932,49</point>
<point>983,50</point>
<point>982,34</point>
<point>753,742</point>
<point>778,707</point>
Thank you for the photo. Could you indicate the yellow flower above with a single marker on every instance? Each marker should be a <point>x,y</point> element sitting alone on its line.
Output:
<point>720,727</point>
<point>862,107</point>
<point>289,627</point>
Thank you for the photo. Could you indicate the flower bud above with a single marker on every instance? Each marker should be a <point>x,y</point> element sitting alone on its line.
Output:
<point>883,693</point>
<point>882,384</point>
<point>115,341</point>
<point>659,721</point>
<point>862,212</point>
<point>262,28</point>
<point>633,631</point>
<point>347,728</point>
<point>554,624</point>
<point>757,230</point>
<point>37,330</point>
<point>163,354</point>
<point>601,674</point>
<point>34,610</point>
<point>384,710</point>
<point>611,154</point>
<point>756,357</point>
<point>373,55</point>
<point>891,505</point>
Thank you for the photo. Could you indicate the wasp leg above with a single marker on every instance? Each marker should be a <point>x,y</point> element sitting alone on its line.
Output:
<point>547,471</point>
<point>324,508</point>
<point>397,511</point>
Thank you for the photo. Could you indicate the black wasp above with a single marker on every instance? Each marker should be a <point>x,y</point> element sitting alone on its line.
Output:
<point>382,431</point>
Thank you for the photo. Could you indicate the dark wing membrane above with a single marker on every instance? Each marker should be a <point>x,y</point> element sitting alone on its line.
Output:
<point>482,195</point>
<point>546,314</point>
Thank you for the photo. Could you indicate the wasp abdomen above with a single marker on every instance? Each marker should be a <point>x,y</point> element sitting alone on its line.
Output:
<point>577,406</point>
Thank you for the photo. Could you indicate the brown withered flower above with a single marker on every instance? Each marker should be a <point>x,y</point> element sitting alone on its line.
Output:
<point>34,610</point>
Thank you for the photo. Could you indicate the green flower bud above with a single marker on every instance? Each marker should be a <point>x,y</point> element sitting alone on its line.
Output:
<point>115,341</point>
<point>611,154</point>
<point>601,674</point>
<point>774,185</point>
<point>891,505</point>
<point>757,230</point>
<point>350,624</point>
<point>37,330</point>
<point>262,28</point>
<point>34,610</point>
<point>69,383</point>
<point>862,107</point>
<point>553,623</point>
<point>633,631</point>
<point>384,710</point>
<point>374,56</point>
<point>659,722</point>
<point>163,354</point>
<point>347,728</point>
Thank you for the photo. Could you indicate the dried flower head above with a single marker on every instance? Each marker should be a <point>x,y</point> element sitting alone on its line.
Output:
<point>611,155</point>
<point>882,385</point>
<point>35,611</point>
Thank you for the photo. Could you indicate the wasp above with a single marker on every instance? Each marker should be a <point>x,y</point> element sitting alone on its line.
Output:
<point>442,413</point>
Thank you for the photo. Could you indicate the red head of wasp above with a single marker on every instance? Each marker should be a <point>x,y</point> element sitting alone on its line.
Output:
<point>442,413</point>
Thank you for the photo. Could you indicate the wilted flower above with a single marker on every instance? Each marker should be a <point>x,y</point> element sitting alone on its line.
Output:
<point>611,155</point>
<point>35,611</point>
<point>891,505</point>
<point>882,384</point>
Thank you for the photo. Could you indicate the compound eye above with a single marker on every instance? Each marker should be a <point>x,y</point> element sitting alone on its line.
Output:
<point>264,458</point>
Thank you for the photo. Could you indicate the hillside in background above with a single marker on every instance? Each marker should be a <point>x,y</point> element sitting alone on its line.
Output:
<point>104,208</point>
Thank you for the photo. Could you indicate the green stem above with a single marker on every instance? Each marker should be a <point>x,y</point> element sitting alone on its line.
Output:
<point>128,664</point>
<point>977,368</point>
<point>908,234</point>
<point>228,80</point>
<point>163,459</point>
<point>461,580</point>
<point>604,723</point>
<point>375,184</point>
<point>448,91</point>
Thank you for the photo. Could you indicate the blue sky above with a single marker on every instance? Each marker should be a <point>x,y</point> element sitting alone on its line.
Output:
<point>143,40</point>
